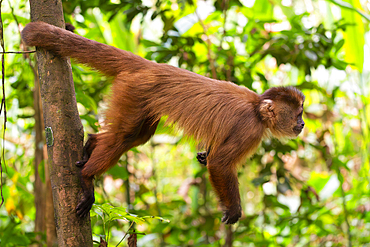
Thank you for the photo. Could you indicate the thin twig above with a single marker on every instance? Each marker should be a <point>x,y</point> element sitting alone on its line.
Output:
<point>348,6</point>
<point>225,6</point>
<point>2,103</point>
<point>208,44</point>
<point>16,52</point>
<point>12,11</point>
<point>229,62</point>
<point>24,46</point>
<point>346,215</point>
<point>126,233</point>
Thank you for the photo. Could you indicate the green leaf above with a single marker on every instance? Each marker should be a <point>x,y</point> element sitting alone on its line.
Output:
<point>318,180</point>
<point>346,5</point>
<point>86,100</point>
<point>115,213</point>
<point>354,36</point>
<point>118,172</point>
<point>263,10</point>
<point>91,120</point>
<point>157,218</point>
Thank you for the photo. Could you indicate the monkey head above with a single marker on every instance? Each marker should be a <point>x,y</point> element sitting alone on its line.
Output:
<point>281,109</point>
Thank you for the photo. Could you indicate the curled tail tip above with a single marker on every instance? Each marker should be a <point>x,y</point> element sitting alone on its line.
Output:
<point>37,33</point>
<point>26,34</point>
<point>30,33</point>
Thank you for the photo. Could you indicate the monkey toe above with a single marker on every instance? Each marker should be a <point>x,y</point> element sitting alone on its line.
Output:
<point>232,216</point>
<point>202,157</point>
<point>83,208</point>
<point>230,219</point>
<point>81,163</point>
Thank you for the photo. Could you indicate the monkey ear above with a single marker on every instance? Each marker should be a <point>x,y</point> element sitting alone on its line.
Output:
<point>267,107</point>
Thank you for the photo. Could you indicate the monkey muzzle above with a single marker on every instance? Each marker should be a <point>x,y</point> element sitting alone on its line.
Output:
<point>298,129</point>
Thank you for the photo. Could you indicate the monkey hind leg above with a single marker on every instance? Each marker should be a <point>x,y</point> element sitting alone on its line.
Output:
<point>86,183</point>
<point>104,151</point>
<point>147,130</point>
<point>108,148</point>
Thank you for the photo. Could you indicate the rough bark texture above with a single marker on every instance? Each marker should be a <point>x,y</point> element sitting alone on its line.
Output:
<point>66,132</point>
<point>44,221</point>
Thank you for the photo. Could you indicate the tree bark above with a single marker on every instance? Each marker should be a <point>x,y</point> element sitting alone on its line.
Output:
<point>44,220</point>
<point>64,132</point>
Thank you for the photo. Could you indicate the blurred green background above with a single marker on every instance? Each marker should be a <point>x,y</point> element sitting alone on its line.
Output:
<point>311,191</point>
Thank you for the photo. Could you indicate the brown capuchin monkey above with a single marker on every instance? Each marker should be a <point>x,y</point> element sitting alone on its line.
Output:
<point>229,120</point>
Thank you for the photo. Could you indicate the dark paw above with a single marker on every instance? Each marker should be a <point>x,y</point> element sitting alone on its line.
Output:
<point>81,163</point>
<point>231,216</point>
<point>83,208</point>
<point>202,157</point>
<point>70,27</point>
<point>87,150</point>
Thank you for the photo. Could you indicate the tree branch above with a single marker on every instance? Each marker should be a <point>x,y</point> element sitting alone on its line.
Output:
<point>208,44</point>
<point>16,52</point>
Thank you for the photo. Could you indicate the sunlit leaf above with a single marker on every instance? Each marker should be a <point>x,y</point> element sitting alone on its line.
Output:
<point>354,36</point>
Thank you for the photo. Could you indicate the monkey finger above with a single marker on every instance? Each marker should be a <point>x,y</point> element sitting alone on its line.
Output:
<point>224,218</point>
<point>202,158</point>
<point>229,220</point>
<point>232,215</point>
<point>83,208</point>
<point>81,163</point>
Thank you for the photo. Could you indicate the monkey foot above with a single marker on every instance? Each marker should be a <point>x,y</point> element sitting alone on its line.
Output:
<point>231,216</point>
<point>202,157</point>
<point>83,208</point>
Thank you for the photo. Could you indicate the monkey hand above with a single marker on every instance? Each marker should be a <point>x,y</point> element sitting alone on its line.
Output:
<point>232,215</point>
<point>84,206</point>
<point>202,158</point>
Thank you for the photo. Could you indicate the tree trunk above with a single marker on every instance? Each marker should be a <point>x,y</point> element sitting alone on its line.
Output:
<point>44,221</point>
<point>64,132</point>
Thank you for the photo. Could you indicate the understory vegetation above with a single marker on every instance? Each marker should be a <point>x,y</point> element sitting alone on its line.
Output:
<point>309,191</point>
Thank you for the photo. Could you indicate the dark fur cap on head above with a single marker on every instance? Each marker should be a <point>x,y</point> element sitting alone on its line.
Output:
<point>286,94</point>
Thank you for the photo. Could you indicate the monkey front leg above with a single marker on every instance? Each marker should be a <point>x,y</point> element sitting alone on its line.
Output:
<point>224,180</point>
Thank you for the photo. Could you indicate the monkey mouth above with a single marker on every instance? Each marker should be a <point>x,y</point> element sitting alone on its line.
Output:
<point>297,130</point>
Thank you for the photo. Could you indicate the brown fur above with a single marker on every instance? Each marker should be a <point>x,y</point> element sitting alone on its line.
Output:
<point>229,120</point>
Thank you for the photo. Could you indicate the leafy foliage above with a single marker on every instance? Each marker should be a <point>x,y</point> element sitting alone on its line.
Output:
<point>311,191</point>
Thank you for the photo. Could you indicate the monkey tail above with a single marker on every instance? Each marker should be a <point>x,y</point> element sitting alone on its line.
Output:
<point>107,59</point>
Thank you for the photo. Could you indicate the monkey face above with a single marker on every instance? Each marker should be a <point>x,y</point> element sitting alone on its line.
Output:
<point>291,119</point>
<point>284,119</point>
<point>299,125</point>
<point>281,111</point>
